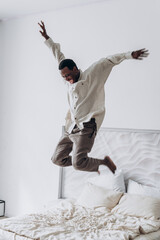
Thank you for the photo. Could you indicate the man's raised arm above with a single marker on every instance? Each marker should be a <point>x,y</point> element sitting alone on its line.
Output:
<point>55,47</point>
<point>118,58</point>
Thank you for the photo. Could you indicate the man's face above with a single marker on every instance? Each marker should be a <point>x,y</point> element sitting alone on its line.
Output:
<point>70,76</point>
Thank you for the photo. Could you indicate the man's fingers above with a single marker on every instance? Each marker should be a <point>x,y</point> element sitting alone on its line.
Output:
<point>146,51</point>
<point>40,25</point>
<point>144,54</point>
<point>143,49</point>
<point>41,33</point>
<point>43,24</point>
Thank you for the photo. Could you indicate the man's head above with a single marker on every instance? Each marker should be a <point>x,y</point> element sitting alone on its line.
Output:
<point>69,70</point>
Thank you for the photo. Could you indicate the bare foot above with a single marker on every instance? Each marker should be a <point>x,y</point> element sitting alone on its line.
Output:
<point>109,163</point>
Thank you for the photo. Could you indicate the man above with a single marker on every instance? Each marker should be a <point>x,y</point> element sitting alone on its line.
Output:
<point>87,106</point>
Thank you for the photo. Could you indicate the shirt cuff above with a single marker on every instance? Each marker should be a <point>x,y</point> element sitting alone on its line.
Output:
<point>49,42</point>
<point>128,55</point>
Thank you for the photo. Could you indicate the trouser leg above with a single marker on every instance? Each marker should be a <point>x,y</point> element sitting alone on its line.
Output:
<point>83,141</point>
<point>61,155</point>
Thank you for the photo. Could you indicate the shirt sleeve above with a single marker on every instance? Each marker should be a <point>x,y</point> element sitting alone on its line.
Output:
<point>56,49</point>
<point>118,58</point>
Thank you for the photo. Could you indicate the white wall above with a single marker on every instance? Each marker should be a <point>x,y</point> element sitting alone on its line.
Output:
<point>33,98</point>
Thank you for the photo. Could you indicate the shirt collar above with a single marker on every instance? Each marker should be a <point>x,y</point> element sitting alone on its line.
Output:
<point>80,76</point>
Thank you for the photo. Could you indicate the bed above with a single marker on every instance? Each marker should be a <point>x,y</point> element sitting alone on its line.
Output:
<point>122,206</point>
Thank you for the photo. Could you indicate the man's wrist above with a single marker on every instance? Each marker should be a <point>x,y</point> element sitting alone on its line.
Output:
<point>129,55</point>
<point>46,37</point>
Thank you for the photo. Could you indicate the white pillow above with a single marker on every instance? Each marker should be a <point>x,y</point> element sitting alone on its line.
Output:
<point>94,196</point>
<point>138,206</point>
<point>137,188</point>
<point>109,180</point>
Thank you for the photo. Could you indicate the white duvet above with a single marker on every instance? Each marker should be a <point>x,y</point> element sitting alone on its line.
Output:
<point>68,221</point>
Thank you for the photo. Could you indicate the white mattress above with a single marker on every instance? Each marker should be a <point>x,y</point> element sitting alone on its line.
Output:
<point>4,235</point>
<point>69,221</point>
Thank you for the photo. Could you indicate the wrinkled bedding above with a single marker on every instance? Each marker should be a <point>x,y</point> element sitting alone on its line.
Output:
<point>68,221</point>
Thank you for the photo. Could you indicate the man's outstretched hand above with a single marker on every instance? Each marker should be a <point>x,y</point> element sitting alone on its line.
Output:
<point>140,54</point>
<point>43,32</point>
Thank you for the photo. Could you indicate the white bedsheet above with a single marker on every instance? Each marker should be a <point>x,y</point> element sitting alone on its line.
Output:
<point>149,236</point>
<point>68,221</point>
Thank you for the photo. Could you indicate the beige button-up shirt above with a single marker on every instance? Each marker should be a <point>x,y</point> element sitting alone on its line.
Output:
<point>86,97</point>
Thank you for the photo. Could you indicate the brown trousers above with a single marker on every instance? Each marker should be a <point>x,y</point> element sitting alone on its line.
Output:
<point>80,142</point>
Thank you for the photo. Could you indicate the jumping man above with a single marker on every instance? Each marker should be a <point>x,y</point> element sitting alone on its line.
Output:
<point>86,106</point>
